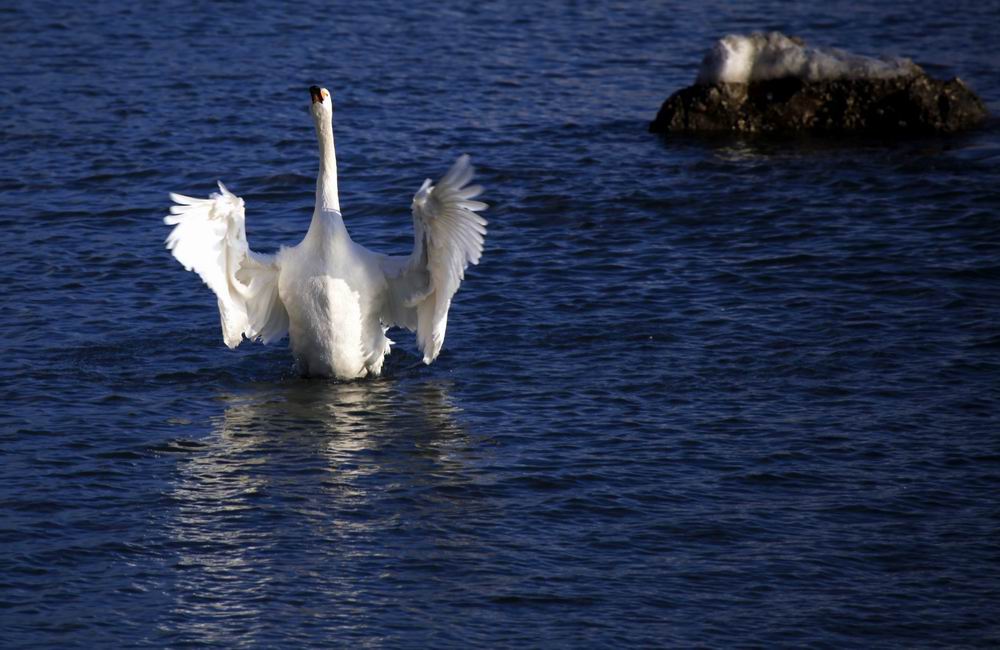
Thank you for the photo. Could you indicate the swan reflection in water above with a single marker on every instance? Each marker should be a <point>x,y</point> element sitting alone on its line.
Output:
<point>304,491</point>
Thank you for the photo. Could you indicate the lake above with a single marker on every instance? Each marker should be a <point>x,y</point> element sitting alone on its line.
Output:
<point>717,392</point>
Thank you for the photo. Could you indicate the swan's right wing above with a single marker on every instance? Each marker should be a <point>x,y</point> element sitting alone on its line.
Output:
<point>448,236</point>
<point>209,238</point>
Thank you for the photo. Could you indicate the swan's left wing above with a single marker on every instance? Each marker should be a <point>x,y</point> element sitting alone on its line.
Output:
<point>209,238</point>
<point>448,236</point>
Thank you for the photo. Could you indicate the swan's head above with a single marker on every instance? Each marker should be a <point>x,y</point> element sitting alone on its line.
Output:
<point>322,103</point>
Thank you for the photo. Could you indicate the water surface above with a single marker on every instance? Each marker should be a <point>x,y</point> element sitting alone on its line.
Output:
<point>721,392</point>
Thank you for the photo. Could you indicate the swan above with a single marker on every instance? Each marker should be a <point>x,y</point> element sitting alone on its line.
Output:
<point>333,298</point>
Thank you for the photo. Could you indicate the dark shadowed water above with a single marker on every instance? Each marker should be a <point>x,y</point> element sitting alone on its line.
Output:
<point>699,392</point>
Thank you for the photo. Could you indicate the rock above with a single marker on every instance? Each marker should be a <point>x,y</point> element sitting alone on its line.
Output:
<point>910,103</point>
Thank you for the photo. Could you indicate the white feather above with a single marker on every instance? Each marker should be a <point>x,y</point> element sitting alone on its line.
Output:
<point>209,238</point>
<point>334,298</point>
<point>448,236</point>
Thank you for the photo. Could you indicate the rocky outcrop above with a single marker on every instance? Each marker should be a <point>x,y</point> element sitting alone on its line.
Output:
<point>913,103</point>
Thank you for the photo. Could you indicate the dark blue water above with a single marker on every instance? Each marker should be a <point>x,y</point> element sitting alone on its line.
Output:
<point>720,393</point>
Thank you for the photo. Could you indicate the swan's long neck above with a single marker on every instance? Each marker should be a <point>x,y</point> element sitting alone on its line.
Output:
<point>327,196</point>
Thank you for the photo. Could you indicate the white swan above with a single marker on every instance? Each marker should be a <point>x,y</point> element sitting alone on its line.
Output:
<point>334,298</point>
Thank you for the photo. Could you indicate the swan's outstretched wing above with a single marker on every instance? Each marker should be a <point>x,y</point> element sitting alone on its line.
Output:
<point>209,238</point>
<point>448,236</point>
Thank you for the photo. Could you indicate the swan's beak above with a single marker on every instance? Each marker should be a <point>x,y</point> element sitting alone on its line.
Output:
<point>316,95</point>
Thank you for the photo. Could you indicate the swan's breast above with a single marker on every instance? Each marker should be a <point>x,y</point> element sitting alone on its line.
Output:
<point>324,324</point>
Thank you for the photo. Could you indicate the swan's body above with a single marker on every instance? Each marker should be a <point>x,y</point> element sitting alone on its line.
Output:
<point>334,298</point>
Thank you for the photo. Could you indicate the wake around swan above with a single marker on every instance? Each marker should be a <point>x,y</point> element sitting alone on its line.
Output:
<point>334,298</point>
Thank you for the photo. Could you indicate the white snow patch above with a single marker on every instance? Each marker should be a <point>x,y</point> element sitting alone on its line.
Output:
<point>760,56</point>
